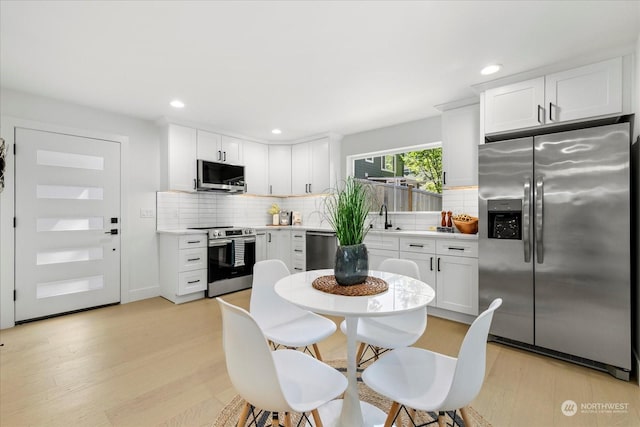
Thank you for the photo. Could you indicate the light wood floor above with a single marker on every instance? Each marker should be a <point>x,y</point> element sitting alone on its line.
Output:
<point>154,363</point>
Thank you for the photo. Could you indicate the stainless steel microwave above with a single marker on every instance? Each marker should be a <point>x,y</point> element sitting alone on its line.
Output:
<point>220,176</point>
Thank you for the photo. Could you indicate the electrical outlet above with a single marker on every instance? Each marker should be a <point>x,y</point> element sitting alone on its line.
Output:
<point>146,213</point>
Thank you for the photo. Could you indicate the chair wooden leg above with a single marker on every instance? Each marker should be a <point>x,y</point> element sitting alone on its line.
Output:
<point>316,418</point>
<point>393,411</point>
<point>243,415</point>
<point>442,422</point>
<point>287,419</point>
<point>465,417</point>
<point>317,352</point>
<point>412,416</point>
<point>360,352</point>
<point>275,422</point>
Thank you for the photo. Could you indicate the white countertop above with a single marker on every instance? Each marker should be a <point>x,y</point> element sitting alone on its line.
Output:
<point>395,233</point>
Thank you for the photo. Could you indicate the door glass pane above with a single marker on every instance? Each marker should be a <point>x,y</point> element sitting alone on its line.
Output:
<point>68,255</point>
<point>69,224</point>
<point>69,160</point>
<point>69,192</point>
<point>72,286</point>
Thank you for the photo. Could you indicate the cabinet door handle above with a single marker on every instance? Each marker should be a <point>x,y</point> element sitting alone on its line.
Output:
<point>271,189</point>
<point>195,184</point>
<point>431,263</point>
<point>224,156</point>
<point>269,238</point>
<point>415,245</point>
<point>444,178</point>
<point>193,281</point>
<point>219,155</point>
<point>539,108</point>
<point>309,187</point>
<point>550,115</point>
<point>193,259</point>
<point>438,264</point>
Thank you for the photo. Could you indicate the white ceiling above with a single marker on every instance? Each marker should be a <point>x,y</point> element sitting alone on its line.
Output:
<point>304,67</point>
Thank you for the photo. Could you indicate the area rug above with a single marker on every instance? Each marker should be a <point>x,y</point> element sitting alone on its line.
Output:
<point>228,417</point>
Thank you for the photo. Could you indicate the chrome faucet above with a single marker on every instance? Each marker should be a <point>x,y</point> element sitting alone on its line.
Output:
<point>387,224</point>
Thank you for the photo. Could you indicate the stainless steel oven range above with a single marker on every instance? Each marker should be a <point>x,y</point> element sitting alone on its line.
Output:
<point>231,256</point>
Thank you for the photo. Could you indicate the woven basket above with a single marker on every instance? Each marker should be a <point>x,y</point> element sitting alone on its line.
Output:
<point>467,227</point>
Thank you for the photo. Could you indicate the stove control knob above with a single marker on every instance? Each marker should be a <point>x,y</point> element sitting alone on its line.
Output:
<point>217,233</point>
<point>248,231</point>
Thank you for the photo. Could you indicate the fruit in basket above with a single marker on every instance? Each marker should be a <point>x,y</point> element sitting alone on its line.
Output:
<point>466,223</point>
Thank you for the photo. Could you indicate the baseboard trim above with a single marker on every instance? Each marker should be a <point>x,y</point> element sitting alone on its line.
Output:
<point>143,293</point>
<point>450,315</point>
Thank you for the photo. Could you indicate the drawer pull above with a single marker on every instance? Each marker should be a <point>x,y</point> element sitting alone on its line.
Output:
<point>193,281</point>
<point>296,268</point>
<point>194,241</point>
<point>415,245</point>
<point>297,250</point>
<point>193,259</point>
<point>297,235</point>
<point>451,248</point>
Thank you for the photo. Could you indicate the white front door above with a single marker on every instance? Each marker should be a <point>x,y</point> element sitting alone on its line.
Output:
<point>67,207</point>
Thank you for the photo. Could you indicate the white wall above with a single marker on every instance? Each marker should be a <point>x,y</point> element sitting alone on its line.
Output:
<point>142,168</point>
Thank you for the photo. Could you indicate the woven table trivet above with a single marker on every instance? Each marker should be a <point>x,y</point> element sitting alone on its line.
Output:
<point>371,286</point>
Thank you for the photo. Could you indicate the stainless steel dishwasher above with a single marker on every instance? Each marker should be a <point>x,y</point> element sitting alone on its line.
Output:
<point>321,249</point>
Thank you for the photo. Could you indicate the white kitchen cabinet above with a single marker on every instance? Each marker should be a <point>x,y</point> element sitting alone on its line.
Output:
<point>460,139</point>
<point>298,247</point>
<point>183,266</point>
<point>310,167</point>
<point>280,169</point>
<point>256,170</point>
<point>422,252</point>
<point>219,148</point>
<point>515,106</point>
<point>179,158</point>
<point>279,245</point>
<point>457,276</point>
<point>261,245</point>
<point>593,90</point>
<point>381,247</point>
<point>589,91</point>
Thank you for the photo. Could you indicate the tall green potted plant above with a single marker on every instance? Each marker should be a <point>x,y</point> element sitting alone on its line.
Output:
<point>347,210</point>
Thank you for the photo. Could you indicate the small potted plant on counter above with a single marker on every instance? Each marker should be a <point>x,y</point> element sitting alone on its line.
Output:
<point>347,210</point>
<point>274,210</point>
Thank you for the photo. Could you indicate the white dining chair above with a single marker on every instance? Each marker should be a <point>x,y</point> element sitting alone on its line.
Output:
<point>283,323</point>
<point>380,334</point>
<point>276,381</point>
<point>418,379</point>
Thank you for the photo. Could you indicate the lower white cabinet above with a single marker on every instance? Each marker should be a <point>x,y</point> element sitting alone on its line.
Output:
<point>279,245</point>
<point>298,255</point>
<point>261,245</point>
<point>183,266</point>
<point>449,266</point>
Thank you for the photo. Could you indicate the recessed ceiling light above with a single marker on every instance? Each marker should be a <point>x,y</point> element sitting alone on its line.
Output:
<point>490,69</point>
<point>176,103</point>
<point>276,131</point>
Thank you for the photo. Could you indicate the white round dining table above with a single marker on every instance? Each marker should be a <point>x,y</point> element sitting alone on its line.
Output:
<point>404,294</point>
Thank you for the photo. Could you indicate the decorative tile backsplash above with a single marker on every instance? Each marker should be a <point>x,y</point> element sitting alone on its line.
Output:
<point>183,210</point>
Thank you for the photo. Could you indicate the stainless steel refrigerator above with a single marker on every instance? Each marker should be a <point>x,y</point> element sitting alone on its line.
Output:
<point>555,242</point>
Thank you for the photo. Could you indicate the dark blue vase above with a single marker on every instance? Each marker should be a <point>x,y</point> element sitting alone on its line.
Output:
<point>352,264</point>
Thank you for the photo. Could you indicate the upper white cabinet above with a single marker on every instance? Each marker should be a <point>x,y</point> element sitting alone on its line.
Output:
<point>219,148</point>
<point>280,169</point>
<point>310,167</point>
<point>256,170</point>
<point>179,158</point>
<point>589,91</point>
<point>514,106</point>
<point>460,138</point>
<point>594,90</point>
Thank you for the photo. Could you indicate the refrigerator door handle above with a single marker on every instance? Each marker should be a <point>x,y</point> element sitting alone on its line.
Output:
<point>526,226</point>
<point>539,196</point>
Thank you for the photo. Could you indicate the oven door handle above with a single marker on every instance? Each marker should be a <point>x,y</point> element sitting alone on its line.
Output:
<point>248,239</point>
<point>220,242</point>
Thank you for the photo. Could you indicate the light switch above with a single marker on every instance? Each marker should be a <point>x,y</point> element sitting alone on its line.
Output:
<point>146,213</point>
